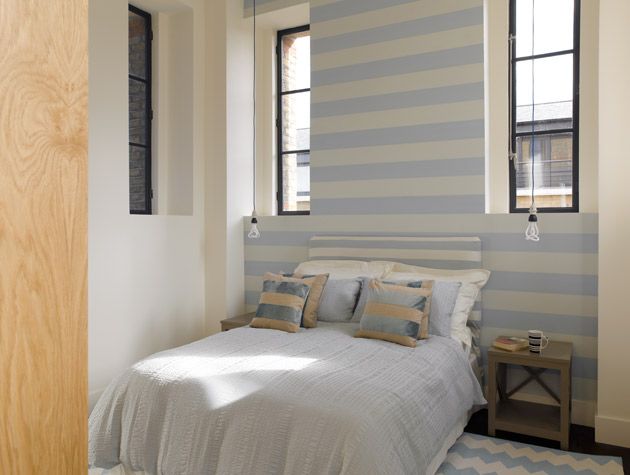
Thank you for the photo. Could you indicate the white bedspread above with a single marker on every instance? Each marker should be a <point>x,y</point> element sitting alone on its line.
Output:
<point>254,401</point>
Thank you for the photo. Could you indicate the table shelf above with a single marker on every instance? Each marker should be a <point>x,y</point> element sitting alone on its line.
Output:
<point>529,418</point>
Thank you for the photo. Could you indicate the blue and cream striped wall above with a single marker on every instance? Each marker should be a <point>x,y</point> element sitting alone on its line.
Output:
<point>397,148</point>
<point>550,285</point>
<point>397,113</point>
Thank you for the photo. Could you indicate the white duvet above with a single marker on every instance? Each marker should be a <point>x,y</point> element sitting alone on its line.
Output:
<point>254,401</point>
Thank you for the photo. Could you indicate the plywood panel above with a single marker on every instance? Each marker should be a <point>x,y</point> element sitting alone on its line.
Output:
<point>43,236</point>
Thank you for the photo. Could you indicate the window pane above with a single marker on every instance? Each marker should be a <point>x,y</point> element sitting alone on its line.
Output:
<point>296,182</point>
<point>137,178</point>
<point>139,106</point>
<point>138,120</point>
<point>296,121</point>
<point>296,61</point>
<point>137,45</point>
<point>553,92</point>
<point>553,170</point>
<point>553,26</point>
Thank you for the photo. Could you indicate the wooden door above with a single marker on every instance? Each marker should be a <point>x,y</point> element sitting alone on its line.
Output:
<point>43,236</point>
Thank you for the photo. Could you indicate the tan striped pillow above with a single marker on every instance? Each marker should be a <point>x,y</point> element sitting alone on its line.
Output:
<point>396,313</point>
<point>316,284</point>
<point>281,305</point>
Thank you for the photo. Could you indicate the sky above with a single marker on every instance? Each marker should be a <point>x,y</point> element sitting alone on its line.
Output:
<point>303,101</point>
<point>553,31</point>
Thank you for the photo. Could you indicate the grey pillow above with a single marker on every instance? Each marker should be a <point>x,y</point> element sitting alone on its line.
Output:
<point>443,301</point>
<point>338,300</point>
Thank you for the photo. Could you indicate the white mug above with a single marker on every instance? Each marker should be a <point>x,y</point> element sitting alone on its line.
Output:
<point>537,341</point>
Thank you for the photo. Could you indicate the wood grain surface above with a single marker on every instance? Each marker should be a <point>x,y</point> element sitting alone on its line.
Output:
<point>43,236</point>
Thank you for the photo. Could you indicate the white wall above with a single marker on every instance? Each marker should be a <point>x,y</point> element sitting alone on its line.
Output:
<point>229,165</point>
<point>172,94</point>
<point>240,91</point>
<point>229,139</point>
<point>612,423</point>
<point>146,273</point>
<point>496,30</point>
<point>589,104</point>
<point>216,165</point>
<point>180,172</point>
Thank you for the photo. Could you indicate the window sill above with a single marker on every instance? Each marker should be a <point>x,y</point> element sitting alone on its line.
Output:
<point>294,213</point>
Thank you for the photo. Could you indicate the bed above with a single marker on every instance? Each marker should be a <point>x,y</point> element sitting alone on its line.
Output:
<point>257,401</point>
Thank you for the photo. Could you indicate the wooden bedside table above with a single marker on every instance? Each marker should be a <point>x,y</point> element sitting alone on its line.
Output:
<point>238,321</point>
<point>538,420</point>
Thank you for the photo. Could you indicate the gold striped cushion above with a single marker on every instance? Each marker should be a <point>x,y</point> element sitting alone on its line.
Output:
<point>396,313</point>
<point>316,283</point>
<point>281,305</point>
<point>422,284</point>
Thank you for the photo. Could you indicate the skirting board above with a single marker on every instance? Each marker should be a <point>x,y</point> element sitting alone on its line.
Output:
<point>612,431</point>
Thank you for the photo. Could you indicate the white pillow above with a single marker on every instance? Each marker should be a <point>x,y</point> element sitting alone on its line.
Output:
<point>380,268</point>
<point>472,281</point>
<point>341,269</point>
<point>391,265</point>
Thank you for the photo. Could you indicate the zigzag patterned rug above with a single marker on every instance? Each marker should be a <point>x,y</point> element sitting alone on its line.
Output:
<point>476,454</point>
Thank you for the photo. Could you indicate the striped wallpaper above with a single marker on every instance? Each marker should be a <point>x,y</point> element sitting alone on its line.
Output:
<point>397,107</point>
<point>550,285</point>
<point>397,148</point>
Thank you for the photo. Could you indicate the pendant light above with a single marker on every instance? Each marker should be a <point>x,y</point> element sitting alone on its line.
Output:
<point>532,232</point>
<point>254,233</point>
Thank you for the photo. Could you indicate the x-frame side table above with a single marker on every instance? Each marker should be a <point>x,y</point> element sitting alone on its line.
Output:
<point>538,420</point>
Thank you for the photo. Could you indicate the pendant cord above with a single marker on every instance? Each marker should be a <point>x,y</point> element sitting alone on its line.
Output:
<point>254,115</point>
<point>533,140</point>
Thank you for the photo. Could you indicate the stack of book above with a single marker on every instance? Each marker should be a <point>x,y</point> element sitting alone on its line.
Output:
<point>510,343</point>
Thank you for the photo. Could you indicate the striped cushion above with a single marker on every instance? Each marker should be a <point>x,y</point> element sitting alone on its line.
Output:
<point>396,313</point>
<point>423,331</point>
<point>316,283</point>
<point>436,252</point>
<point>443,299</point>
<point>281,305</point>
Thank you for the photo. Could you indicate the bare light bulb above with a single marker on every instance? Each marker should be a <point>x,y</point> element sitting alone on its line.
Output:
<point>532,233</point>
<point>254,233</point>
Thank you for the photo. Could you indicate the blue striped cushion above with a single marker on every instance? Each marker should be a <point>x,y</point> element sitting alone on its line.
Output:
<point>396,313</point>
<point>440,310</point>
<point>317,284</point>
<point>281,305</point>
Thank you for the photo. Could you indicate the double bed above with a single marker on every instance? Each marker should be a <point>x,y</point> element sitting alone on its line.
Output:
<point>258,401</point>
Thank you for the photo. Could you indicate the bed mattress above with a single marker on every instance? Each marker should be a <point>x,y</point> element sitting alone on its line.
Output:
<point>267,402</point>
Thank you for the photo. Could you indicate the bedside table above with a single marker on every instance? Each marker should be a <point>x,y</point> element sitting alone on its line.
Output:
<point>238,321</point>
<point>538,420</point>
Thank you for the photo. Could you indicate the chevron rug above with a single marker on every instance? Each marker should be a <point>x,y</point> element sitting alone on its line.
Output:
<point>476,454</point>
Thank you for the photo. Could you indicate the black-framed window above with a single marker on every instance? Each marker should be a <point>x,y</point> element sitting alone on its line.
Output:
<point>293,120</point>
<point>140,111</point>
<point>548,121</point>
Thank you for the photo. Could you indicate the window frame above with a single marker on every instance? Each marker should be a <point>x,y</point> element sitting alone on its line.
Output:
<point>575,129</point>
<point>148,82</point>
<point>280,94</point>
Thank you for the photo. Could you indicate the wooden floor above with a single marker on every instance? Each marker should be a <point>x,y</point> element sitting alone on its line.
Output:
<point>582,439</point>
